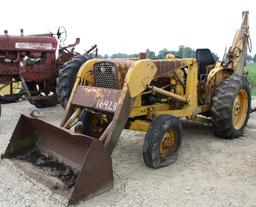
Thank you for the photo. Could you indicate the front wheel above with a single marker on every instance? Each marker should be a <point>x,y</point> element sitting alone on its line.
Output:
<point>231,104</point>
<point>162,141</point>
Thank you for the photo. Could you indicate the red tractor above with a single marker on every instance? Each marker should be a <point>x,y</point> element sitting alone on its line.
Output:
<point>29,65</point>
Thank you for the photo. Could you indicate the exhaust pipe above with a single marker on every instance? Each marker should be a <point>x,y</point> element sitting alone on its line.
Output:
<point>73,165</point>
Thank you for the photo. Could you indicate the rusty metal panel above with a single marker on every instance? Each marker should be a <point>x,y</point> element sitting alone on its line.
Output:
<point>121,66</point>
<point>27,43</point>
<point>165,66</point>
<point>12,47</point>
<point>119,120</point>
<point>40,150</point>
<point>103,99</point>
<point>105,75</point>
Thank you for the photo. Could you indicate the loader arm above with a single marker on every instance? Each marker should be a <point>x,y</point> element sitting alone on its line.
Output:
<point>137,80</point>
<point>236,56</point>
<point>117,102</point>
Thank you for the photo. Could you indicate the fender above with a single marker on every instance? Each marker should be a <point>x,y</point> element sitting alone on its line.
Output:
<point>213,73</point>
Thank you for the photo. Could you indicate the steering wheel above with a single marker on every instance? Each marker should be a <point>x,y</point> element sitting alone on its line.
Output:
<point>62,33</point>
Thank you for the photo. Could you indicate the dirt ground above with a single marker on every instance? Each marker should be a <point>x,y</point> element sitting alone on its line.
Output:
<point>209,171</point>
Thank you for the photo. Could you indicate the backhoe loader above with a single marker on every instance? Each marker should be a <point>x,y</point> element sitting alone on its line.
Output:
<point>147,95</point>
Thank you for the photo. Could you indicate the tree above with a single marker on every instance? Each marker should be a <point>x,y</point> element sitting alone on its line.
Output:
<point>187,52</point>
<point>180,52</point>
<point>134,56</point>
<point>215,56</point>
<point>150,54</point>
<point>99,56</point>
<point>249,58</point>
<point>254,58</point>
<point>105,56</point>
<point>119,55</point>
<point>162,53</point>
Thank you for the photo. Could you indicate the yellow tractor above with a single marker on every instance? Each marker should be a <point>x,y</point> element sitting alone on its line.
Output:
<point>147,95</point>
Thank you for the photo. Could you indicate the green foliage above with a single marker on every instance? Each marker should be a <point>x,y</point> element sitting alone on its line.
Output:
<point>254,58</point>
<point>182,52</point>
<point>105,56</point>
<point>150,54</point>
<point>215,56</point>
<point>251,70</point>
<point>162,53</point>
<point>249,58</point>
<point>133,56</point>
<point>102,56</point>
<point>185,52</point>
<point>119,55</point>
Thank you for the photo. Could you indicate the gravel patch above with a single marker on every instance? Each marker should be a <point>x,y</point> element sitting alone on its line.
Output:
<point>209,171</point>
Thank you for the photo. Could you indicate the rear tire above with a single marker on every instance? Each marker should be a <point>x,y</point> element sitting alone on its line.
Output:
<point>231,104</point>
<point>162,141</point>
<point>66,78</point>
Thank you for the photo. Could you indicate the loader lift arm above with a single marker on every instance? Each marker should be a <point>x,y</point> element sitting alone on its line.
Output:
<point>119,102</point>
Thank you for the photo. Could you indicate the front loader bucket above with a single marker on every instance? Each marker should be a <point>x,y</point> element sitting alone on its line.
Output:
<point>73,165</point>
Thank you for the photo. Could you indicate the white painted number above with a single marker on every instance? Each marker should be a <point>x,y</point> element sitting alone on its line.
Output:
<point>106,105</point>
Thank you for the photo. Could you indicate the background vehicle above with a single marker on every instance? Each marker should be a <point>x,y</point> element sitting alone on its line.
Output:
<point>29,66</point>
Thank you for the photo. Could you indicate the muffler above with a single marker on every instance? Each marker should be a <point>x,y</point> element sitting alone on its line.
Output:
<point>73,165</point>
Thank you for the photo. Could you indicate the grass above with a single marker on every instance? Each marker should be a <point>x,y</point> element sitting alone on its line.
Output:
<point>251,68</point>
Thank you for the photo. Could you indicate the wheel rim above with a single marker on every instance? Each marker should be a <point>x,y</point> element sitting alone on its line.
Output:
<point>168,143</point>
<point>240,109</point>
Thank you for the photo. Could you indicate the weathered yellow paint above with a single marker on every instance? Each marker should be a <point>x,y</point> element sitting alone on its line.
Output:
<point>137,102</point>
<point>191,85</point>
<point>203,108</point>
<point>240,109</point>
<point>139,76</point>
<point>84,74</point>
<point>189,110</point>
<point>140,125</point>
<point>72,118</point>
<point>180,87</point>
<point>145,110</point>
<point>170,56</point>
<point>5,88</point>
<point>236,56</point>
<point>185,112</point>
<point>168,94</point>
<point>216,75</point>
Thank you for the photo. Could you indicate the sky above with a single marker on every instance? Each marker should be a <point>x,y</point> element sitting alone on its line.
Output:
<point>132,26</point>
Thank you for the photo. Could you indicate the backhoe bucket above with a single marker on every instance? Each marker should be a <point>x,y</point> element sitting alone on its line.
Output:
<point>73,165</point>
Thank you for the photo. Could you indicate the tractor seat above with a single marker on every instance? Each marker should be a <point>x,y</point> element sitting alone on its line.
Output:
<point>204,58</point>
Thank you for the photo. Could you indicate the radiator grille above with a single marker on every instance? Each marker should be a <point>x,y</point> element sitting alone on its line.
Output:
<point>105,75</point>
